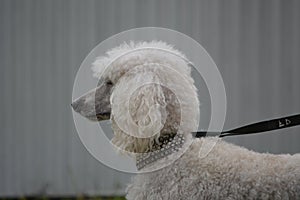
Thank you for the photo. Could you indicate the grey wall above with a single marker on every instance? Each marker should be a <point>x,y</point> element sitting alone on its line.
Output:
<point>255,44</point>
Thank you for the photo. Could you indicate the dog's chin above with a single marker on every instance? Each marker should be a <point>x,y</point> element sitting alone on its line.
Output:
<point>103,116</point>
<point>99,117</point>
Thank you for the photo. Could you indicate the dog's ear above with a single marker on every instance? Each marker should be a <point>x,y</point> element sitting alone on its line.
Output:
<point>139,105</point>
<point>148,109</point>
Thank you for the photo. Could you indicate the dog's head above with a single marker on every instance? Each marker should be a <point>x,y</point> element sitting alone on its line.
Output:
<point>146,90</point>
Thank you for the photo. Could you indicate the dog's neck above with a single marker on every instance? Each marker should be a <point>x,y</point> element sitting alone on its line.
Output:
<point>168,144</point>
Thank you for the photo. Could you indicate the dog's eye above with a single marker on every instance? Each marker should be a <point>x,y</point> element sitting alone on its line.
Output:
<point>109,82</point>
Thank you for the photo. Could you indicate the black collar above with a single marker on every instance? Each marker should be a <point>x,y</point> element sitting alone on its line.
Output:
<point>168,144</point>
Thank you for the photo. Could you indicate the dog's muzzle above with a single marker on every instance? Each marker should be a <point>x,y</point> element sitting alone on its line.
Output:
<point>95,104</point>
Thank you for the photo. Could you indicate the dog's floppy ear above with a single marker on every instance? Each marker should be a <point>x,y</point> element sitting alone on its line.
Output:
<point>143,111</point>
<point>148,109</point>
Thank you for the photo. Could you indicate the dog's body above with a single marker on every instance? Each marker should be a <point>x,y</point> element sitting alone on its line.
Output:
<point>149,93</point>
<point>227,172</point>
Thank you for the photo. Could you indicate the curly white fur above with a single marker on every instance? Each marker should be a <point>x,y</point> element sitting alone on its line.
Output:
<point>227,172</point>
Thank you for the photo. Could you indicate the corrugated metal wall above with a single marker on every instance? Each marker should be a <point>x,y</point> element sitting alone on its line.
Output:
<point>42,43</point>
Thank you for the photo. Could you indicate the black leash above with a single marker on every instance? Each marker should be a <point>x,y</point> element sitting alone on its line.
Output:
<point>269,125</point>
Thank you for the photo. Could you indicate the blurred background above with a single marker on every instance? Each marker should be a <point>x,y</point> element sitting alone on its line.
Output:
<point>255,44</point>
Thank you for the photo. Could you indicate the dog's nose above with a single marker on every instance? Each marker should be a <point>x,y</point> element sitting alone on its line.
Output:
<point>76,105</point>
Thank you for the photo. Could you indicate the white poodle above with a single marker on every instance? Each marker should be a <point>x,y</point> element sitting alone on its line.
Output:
<point>148,93</point>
